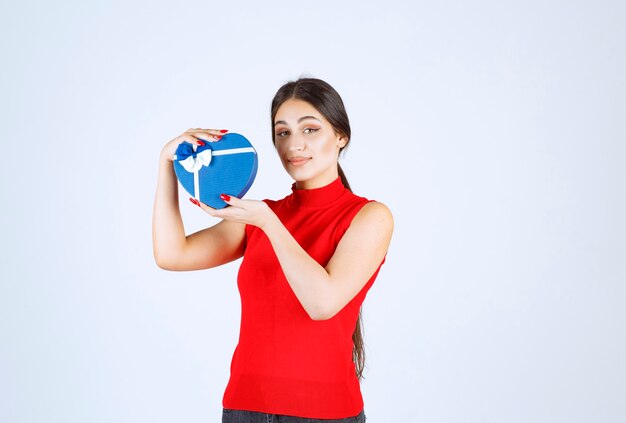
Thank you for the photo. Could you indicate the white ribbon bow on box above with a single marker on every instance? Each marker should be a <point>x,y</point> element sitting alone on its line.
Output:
<point>194,164</point>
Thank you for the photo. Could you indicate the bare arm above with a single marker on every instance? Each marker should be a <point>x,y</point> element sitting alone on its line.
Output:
<point>322,291</point>
<point>173,250</point>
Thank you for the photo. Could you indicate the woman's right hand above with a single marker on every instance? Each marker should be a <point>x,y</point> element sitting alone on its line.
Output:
<point>195,136</point>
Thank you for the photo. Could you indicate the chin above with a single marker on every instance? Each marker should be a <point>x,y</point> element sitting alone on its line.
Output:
<point>299,178</point>
<point>300,175</point>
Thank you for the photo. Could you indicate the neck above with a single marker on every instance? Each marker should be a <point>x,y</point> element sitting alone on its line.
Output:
<point>317,197</point>
<point>318,182</point>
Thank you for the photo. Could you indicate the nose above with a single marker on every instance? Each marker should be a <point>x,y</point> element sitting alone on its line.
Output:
<point>296,143</point>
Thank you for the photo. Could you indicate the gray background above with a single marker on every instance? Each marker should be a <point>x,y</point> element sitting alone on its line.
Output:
<point>493,130</point>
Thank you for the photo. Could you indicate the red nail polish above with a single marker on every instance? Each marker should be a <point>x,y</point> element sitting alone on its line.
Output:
<point>223,131</point>
<point>225,197</point>
<point>200,142</point>
<point>217,137</point>
<point>193,200</point>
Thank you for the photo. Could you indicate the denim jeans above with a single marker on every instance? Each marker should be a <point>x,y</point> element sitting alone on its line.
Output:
<point>242,416</point>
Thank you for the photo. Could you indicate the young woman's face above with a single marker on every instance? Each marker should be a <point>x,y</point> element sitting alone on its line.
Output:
<point>306,144</point>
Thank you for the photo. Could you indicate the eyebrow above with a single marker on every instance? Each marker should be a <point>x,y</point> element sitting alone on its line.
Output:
<point>299,120</point>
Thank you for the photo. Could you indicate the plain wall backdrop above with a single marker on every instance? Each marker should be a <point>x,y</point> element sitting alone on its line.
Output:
<point>495,132</point>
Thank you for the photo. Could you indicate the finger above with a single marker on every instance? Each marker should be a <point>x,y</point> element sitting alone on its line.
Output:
<point>208,137</point>
<point>207,134</point>
<point>210,210</point>
<point>190,139</point>
<point>212,131</point>
<point>232,200</point>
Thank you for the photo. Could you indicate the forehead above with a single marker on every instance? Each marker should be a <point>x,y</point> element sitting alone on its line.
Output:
<point>293,109</point>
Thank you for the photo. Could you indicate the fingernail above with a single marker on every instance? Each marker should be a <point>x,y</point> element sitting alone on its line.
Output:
<point>193,200</point>
<point>200,142</point>
<point>217,137</point>
<point>223,131</point>
<point>225,197</point>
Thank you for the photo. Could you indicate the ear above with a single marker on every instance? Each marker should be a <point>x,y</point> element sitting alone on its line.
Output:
<point>342,141</point>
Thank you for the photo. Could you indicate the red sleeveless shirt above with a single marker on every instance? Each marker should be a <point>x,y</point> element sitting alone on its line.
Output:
<point>285,362</point>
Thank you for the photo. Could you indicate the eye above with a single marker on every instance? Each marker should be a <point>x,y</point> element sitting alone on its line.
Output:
<point>310,129</point>
<point>281,133</point>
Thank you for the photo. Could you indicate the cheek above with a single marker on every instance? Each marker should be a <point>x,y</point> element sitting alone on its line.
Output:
<point>280,149</point>
<point>328,147</point>
<point>321,142</point>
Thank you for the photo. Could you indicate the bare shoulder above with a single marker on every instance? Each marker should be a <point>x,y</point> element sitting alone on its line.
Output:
<point>369,234</point>
<point>374,214</point>
<point>374,222</point>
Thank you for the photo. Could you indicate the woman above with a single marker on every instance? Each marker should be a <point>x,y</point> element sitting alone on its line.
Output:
<point>308,261</point>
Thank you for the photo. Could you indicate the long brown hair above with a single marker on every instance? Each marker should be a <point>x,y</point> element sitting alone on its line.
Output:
<point>327,101</point>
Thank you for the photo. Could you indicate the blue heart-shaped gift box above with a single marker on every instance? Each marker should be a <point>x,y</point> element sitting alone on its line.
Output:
<point>227,166</point>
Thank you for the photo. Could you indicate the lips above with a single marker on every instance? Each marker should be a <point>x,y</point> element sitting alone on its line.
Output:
<point>299,161</point>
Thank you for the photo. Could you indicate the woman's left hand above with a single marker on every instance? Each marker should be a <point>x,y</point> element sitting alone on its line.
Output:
<point>251,212</point>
